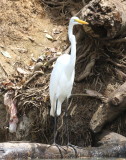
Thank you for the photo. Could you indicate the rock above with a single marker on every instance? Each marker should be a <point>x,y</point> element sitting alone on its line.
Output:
<point>108,137</point>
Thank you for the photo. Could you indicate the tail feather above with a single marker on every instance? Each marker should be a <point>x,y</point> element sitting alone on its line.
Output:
<point>53,109</point>
<point>58,108</point>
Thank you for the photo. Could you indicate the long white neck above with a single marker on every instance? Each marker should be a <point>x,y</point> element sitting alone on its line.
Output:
<point>72,39</point>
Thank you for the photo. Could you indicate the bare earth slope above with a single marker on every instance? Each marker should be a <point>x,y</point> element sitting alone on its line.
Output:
<point>23,29</point>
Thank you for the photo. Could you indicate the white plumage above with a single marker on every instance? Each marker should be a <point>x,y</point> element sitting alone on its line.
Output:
<point>62,76</point>
<point>60,83</point>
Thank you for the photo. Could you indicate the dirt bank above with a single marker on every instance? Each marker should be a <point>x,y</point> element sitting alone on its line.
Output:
<point>30,29</point>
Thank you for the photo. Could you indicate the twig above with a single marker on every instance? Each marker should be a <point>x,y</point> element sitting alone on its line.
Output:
<point>91,93</point>
<point>72,111</point>
<point>36,73</point>
<point>3,69</point>
<point>117,64</point>
<point>79,94</point>
<point>55,3</point>
<point>51,61</point>
<point>119,40</point>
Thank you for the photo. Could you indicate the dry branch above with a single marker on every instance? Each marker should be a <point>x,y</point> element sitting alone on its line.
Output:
<point>109,111</point>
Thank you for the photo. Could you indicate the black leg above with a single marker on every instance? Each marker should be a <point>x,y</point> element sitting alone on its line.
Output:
<point>66,121</point>
<point>55,123</point>
<point>67,129</point>
<point>55,129</point>
<point>55,132</point>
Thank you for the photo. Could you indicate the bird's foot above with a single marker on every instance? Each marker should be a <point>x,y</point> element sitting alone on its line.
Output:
<point>60,148</point>
<point>74,148</point>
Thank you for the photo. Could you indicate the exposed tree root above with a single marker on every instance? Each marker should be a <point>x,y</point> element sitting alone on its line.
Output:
<point>91,93</point>
<point>107,137</point>
<point>120,40</point>
<point>105,23</point>
<point>88,68</point>
<point>62,116</point>
<point>117,64</point>
<point>121,75</point>
<point>109,111</point>
<point>86,50</point>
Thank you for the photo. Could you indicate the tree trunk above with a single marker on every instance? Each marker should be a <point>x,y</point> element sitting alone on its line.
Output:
<point>107,18</point>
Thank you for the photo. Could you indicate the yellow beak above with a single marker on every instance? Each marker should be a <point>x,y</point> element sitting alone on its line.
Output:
<point>80,21</point>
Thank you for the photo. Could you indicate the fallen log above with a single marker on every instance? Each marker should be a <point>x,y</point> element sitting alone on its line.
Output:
<point>26,150</point>
<point>107,18</point>
<point>107,112</point>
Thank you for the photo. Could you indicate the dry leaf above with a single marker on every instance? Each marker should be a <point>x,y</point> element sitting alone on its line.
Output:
<point>20,70</point>
<point>6,54</point>
<point>49,37</point>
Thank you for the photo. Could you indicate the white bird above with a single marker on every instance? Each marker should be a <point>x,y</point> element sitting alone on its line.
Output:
<point>63,73</point>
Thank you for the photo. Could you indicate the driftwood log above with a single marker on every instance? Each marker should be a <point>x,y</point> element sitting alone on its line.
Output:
<point>22,150</point>
<point>107,18</point>
<point>108,111</point>
<point>110,145</point>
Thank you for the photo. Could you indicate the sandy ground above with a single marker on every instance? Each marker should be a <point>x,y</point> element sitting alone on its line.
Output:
<point>24,26</point>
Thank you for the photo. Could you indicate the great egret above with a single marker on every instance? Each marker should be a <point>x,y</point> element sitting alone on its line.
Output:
<point>62,76</point>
